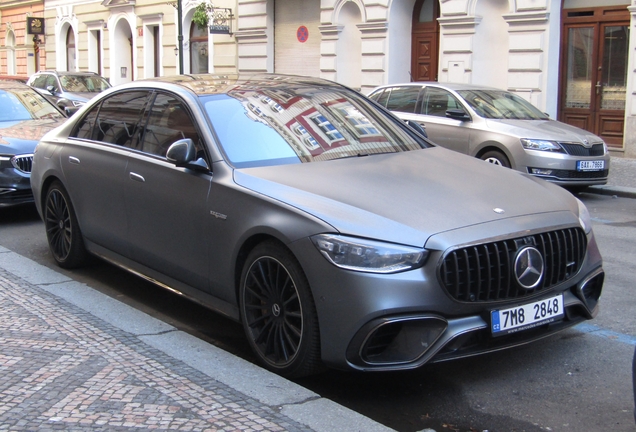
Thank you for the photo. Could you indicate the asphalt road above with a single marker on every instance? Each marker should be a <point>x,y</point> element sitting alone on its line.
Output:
<point>578,380</point>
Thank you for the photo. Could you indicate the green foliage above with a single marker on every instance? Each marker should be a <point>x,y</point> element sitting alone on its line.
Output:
<point>201,14</point>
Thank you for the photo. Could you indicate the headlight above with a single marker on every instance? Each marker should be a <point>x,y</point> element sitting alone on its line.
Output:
<point>78,103</point>
<point>368,255</point>
<point>584,217</point>
<point>541,145</point>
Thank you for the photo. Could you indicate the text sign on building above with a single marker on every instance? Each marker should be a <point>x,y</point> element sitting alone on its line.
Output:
<point>221,21</point>
<point>35,26</point>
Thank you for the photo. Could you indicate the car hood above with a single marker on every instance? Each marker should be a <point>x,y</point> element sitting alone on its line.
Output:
<point>542,129</point>
<point>406,197</point>
<point>18,137</point>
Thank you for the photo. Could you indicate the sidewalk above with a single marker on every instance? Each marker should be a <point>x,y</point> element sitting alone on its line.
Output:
<point>74,359</point>
<point>621,181</point>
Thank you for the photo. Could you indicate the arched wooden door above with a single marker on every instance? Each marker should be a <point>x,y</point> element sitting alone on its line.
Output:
<point>425,41</point>
<point>594,68</point>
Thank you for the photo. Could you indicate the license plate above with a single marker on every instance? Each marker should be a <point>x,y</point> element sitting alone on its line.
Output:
<point>597,165</point>
<point>526,316</point>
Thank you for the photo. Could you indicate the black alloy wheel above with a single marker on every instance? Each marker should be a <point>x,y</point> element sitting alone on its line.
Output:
<point>278,312</point>
<point>62,229</point>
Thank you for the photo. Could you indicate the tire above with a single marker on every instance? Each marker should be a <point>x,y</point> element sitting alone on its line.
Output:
<point>62,229</point>
<point>278,312</point>
<point>496,158</point>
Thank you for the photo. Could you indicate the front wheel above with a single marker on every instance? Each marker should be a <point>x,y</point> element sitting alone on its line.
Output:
<point>278,312</point>
<point>496,158</point>
<point>62,229</point>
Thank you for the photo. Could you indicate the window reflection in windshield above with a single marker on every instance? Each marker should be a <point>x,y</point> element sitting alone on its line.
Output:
<point>83,84</point>
<point>304,124</point>
<point>498,104</point>
<point>27,104</point>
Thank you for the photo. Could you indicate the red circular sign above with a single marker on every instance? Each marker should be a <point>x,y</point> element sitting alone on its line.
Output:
<point>302,34</point>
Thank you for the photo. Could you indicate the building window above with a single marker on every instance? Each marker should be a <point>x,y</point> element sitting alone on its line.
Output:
<point>11,53</point>
<point>70,50</point>
<point>198,49</point>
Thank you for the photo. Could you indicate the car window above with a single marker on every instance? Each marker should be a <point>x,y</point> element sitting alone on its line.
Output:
<point>83,83</point>
<point>402,99</point>
<point>40,82</point>
<point>436,101</point>
<point>52,81</point>
<point>169,121</point>
<point>115,120</point>
<point>500,104</point>
<point>318,126</point>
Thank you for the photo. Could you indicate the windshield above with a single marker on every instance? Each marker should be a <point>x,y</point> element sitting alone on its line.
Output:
<point>282,124</point>
<point>499,104</point>
<point>25,104</point>
<point>83,84</point>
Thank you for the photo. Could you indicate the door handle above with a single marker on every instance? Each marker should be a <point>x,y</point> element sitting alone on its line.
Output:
<point>74,160</point>
<point>136,177</point>
<point>598,86</point>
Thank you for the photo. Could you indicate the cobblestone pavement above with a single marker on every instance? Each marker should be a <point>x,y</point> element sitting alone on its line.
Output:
<point>62,368</point>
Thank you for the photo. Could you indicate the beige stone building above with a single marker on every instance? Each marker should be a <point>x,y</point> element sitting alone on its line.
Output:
<point>574,59</point>
<point>125,40</point>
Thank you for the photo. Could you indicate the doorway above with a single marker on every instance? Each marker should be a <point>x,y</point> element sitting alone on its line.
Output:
<point>425,41</point>
<point>595,48</point>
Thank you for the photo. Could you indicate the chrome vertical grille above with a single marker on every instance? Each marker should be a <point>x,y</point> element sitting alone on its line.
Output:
<point>485,272</point>
<point>23,162</point>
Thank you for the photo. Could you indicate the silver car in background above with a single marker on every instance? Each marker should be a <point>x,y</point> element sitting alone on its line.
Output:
<point>335,233</point>
<point>502,128</point>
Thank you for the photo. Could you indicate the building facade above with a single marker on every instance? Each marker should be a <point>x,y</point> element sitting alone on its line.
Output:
<point>19,53</point>
<point>571,58</point>
<point>125,40</point>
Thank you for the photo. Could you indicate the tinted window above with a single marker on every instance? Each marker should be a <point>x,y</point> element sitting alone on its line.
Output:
<point>402,99</point>
<point>437,101</point>
<point>316,124</point>
<point>169,121</point>
<point>115,120</point>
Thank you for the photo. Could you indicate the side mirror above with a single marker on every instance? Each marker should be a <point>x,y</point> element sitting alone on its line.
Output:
<point>182,153</point>
<point>50,89</point>
<point>70,110</point>
<point>458,114</point>
<point>417,127</point>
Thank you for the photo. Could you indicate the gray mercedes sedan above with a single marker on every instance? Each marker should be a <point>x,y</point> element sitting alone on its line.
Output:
<point>336,234</point>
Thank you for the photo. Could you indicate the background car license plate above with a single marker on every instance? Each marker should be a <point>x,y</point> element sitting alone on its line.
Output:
<point>526,316</point>
<point>596,165</point>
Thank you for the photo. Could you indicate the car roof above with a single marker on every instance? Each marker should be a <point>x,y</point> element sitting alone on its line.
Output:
<point>12,84</point>
<point>15,78</point>
<point>446,85</point>
<point>60,73</point>
<point>202,84</point>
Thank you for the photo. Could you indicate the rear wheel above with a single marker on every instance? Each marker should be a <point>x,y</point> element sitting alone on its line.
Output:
<point>62,230</point>
<point>278,312</point>
<point>496,158</point>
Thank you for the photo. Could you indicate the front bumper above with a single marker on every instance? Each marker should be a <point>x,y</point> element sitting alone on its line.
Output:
<point>375,322</point>
<point>15,186</point>
<point>410,341</point>
<point>561,168</point>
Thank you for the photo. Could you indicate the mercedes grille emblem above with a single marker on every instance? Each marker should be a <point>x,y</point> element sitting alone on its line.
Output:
<point>529,267</point>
